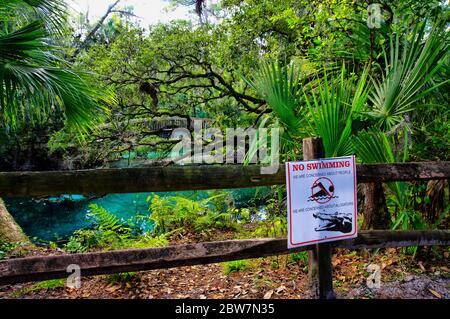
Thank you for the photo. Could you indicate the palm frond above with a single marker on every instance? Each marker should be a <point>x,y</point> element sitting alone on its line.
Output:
<point>410,68</point>
<point>279,87</point>
<point>373,146</point>
<point>334,104</point>
<point>31,86</point>
<point>52,12</point>
<point>27,43</point>
<point>30,92</point>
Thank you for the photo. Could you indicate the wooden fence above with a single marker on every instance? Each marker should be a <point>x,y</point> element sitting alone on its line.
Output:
<point>177,178</point>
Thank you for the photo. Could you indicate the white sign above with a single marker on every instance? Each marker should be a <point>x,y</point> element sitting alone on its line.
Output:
<point>321,200</point>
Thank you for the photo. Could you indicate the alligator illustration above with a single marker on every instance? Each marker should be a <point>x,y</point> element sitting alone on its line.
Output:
<point>341,222</point>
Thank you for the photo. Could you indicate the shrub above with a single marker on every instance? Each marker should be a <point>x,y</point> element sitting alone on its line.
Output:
<point>110,233</point>
<point>120,278</point>
<point>275,227</point>
<point>300,257</point>
<point>197,216</point>
<point>234,266</point>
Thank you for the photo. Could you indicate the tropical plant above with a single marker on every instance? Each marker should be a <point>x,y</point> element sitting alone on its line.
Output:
<point>280,87</point>
<point>34,79</point>
<point>108,232</point>
<point>410,69</point>
<point>325,107</point>
<point>170,214</point>
<point>108,222</point>
<point>374,146</point>
<point>329,106</point>
<point>272,227</point>
<point>235,266</point>
<point>333,109</point>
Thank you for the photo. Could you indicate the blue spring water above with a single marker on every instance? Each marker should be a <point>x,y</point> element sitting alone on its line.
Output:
<point>56,218</point>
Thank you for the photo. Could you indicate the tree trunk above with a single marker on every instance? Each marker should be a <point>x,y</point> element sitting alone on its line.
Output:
<point>376,214</point>
<point>10,231</point>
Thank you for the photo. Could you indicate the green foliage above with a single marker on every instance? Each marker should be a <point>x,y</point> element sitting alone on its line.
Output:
<point>34,80</point>
<point>6,249</point>
<point>409,73</point>
<point>121,278</point>
<point>42,285</point>
<point>388,102</point>
<point>49,284</point>
<point>110,233</point>
<point>272,227</point>
<point>234,266</point>
<point>374,146</point>
<point>333,109</point>
<point>431,139</point>
<point>279,87</point>
<point>107,222</point>
<point>83,240</point>
<point>198,216</point>
<point>146,241</point>
<point>199,70</point>
<point>327,106</point>
<point>300,257</point>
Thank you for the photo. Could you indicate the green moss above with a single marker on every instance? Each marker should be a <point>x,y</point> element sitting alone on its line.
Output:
<point>37,287</point>
<point>49,284</point>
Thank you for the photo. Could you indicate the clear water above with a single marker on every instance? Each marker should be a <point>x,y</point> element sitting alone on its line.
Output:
<point>56,218</point>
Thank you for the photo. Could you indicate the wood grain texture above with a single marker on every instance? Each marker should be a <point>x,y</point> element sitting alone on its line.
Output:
<point>51,267</point>
<point>178,178</point>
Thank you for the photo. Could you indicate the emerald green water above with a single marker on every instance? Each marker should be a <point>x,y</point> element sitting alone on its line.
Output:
<point>56,218</point>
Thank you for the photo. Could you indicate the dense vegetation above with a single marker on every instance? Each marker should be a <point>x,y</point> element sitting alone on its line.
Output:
<point>76,94</point>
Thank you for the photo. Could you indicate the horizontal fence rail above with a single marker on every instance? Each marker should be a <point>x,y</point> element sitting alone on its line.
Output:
<point>52,267</point>
<point>179,178</point>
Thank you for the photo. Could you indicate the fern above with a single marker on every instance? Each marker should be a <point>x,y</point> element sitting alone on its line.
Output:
<point>198,216</point>
<point>108,222</point>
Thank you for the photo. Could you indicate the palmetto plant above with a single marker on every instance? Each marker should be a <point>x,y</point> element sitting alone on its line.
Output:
<point>324,107</point>
<point>34,81</point>
<point>328,106</point>
<point>280,86</point>
<point>335,102</point>
<point>373,146</point>
<point>412,63</point>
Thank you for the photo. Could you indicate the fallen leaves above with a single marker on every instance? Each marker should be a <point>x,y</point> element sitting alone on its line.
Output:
<point>280,289</point>
<point>421,266</point>
<point>268,294</point>
<point>112,288</point>
<point>288,281</point>
<point>435,293</point>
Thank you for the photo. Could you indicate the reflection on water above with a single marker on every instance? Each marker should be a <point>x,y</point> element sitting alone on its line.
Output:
<point>55,218</point>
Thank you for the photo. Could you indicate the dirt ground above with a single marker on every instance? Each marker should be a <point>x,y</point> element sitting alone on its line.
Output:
<point>402,276</point>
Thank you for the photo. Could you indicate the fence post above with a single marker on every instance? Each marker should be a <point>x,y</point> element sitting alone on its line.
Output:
<point>319,259</point>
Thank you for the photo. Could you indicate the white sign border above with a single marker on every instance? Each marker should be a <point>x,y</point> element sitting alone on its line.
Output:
<point>292,245</point>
